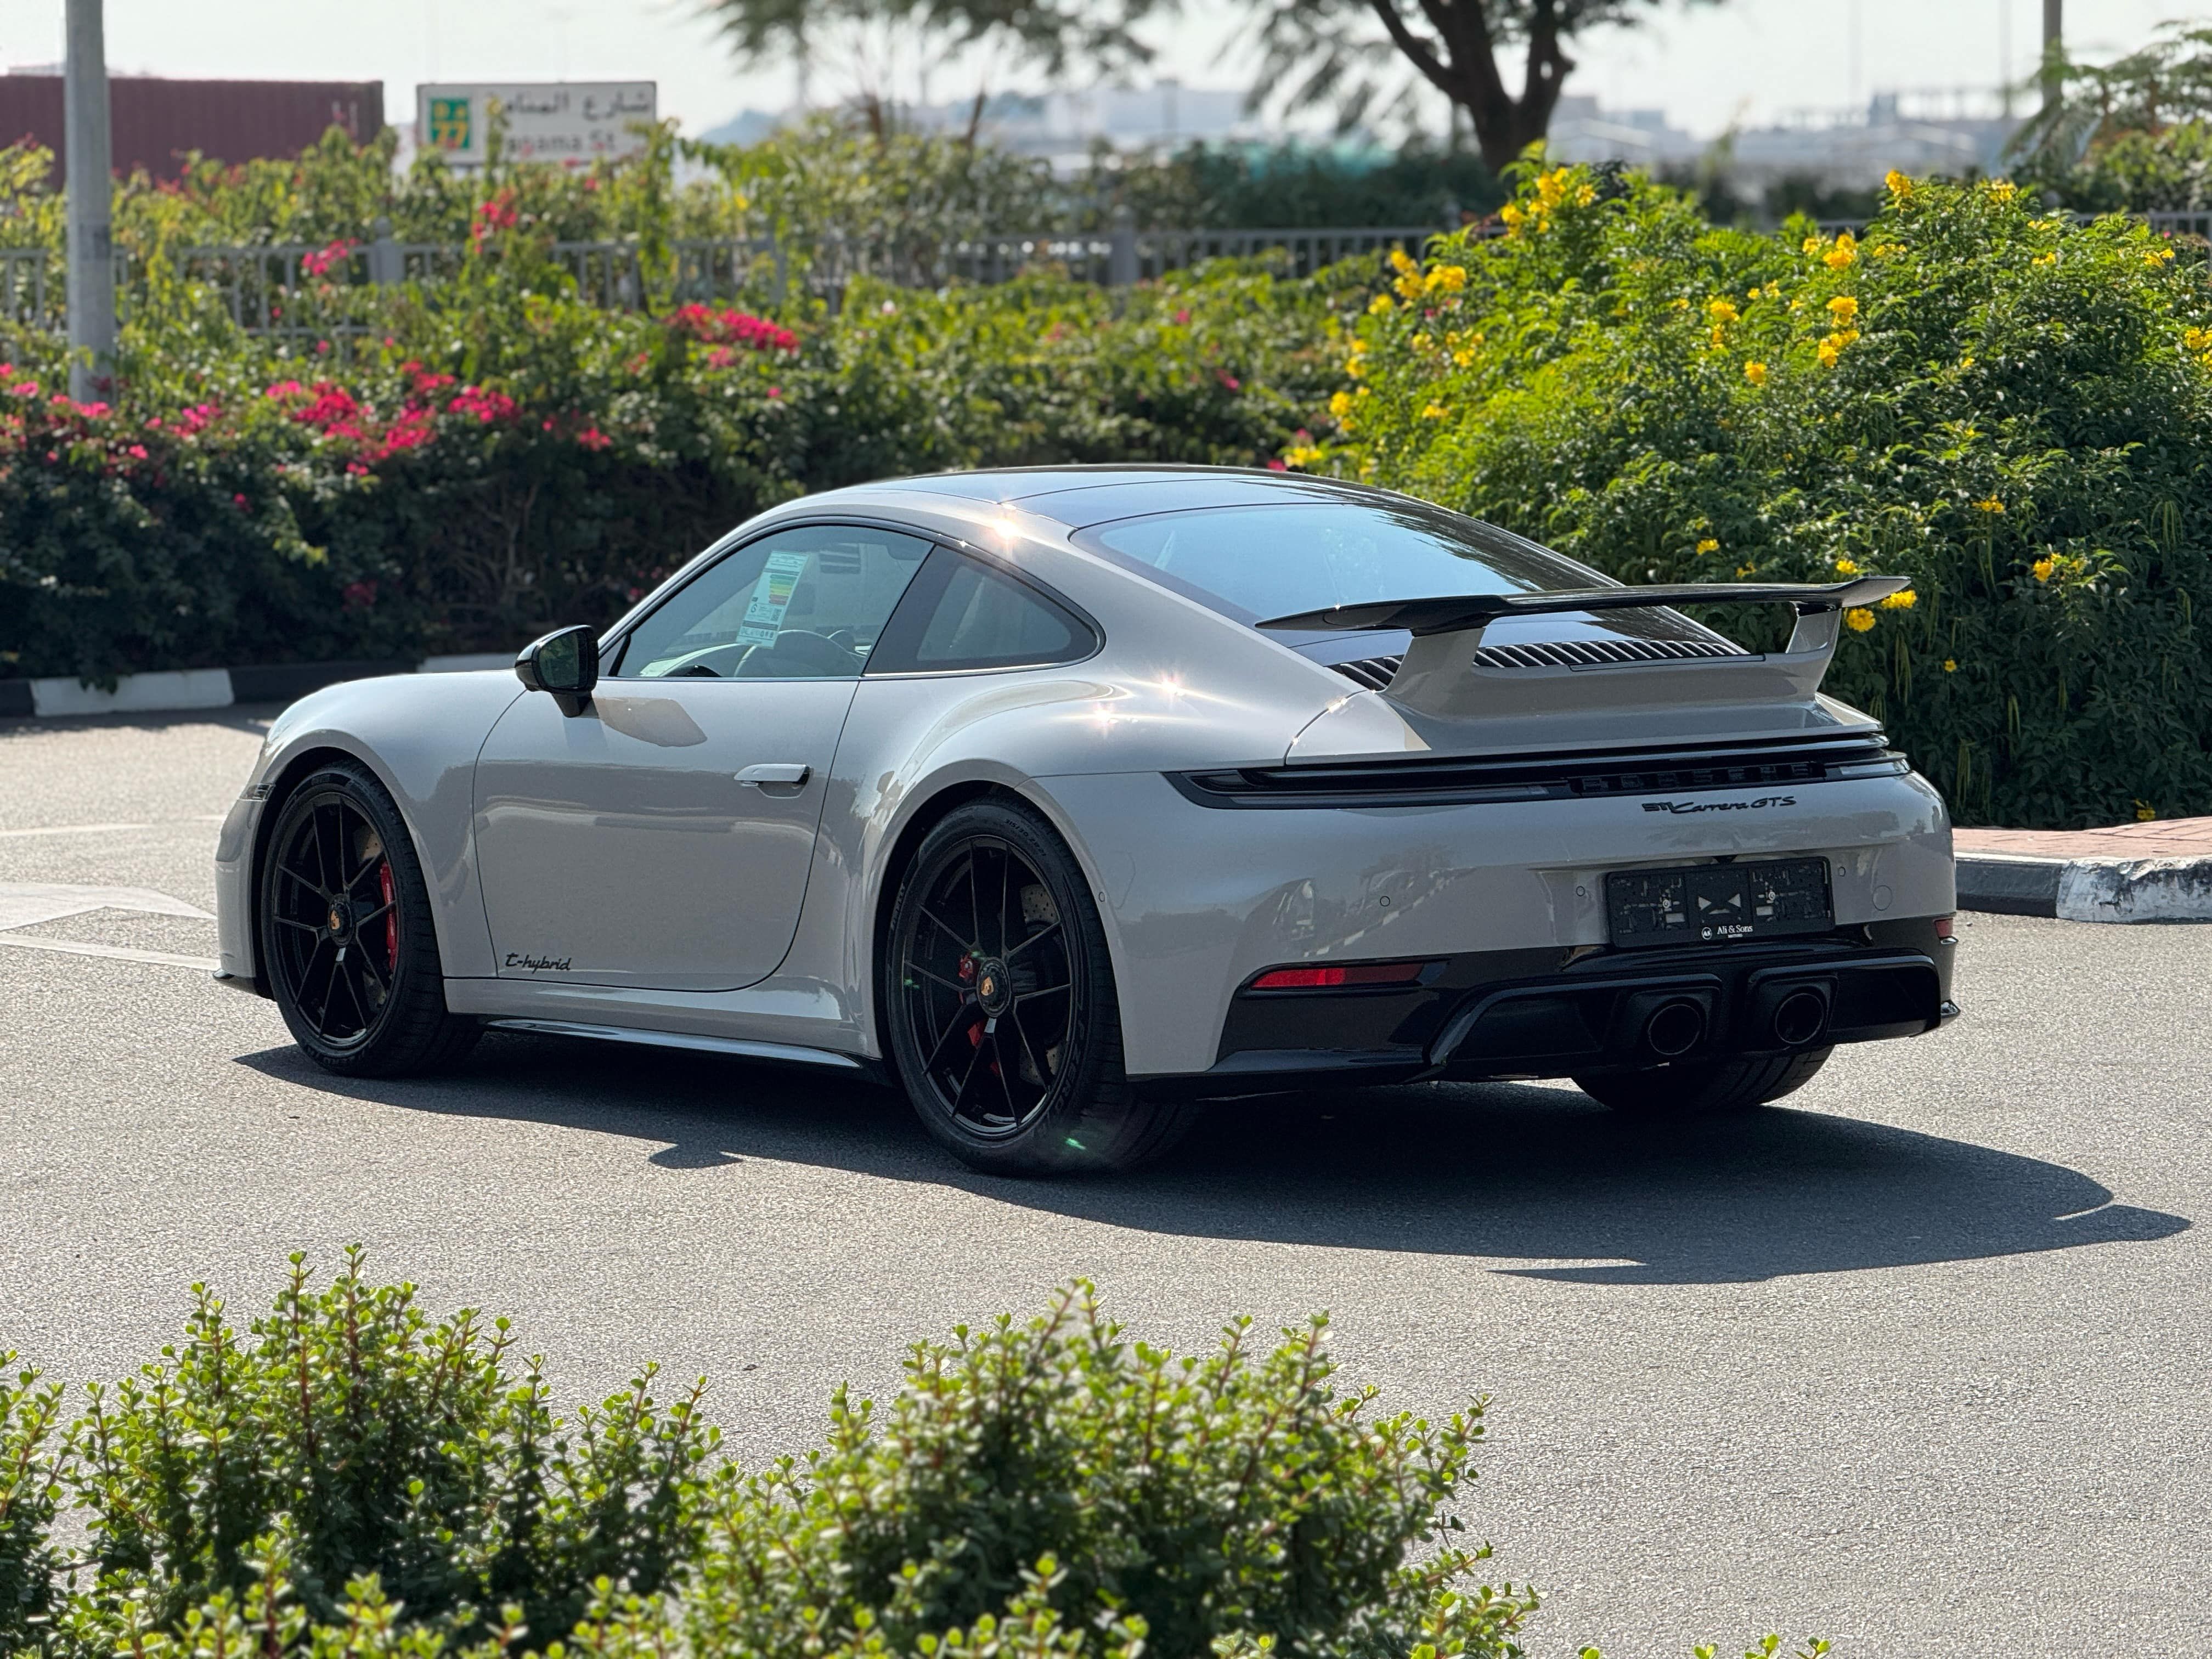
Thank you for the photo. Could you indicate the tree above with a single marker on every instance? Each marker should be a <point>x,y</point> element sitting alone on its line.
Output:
<point>868,40</point>
<point>1353,54</point>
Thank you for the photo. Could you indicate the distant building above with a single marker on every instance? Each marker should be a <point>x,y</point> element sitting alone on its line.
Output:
<point>156,122</point>
<point>1918,131</point>
<point>1063,126</point>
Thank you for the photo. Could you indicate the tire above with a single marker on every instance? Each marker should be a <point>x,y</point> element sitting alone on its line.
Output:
<point>346,939</point>
<point>1711,1089</point>
<point>1029,958</point>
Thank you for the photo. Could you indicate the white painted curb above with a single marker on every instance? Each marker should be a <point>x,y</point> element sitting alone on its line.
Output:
<point>135,693</point>
<point>2136,890</point>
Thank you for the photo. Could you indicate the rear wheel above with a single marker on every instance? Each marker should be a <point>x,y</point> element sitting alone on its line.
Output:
<point>346,938</point>
<point>999,993</point>
<point>1710,1090</point>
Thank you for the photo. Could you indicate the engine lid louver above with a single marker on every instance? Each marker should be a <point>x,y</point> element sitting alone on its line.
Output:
<point>1374,673</point>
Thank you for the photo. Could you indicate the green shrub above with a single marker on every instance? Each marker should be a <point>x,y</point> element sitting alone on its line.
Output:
<point>377,1443</point>
<point>1237,1496</point>
<point>30,1493</point>
<point>2011,409</point>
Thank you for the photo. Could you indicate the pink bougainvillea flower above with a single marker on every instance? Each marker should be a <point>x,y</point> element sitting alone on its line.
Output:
<point>284,389</point>
<point>320,263</point>
<point>137,452</point>
<point>25,389</point>
<point>591,438</point>
<point>238,501</point>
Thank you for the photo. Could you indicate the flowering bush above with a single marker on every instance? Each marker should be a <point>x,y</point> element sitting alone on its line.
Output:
<point>502,459</point>
<point>2007,406</point>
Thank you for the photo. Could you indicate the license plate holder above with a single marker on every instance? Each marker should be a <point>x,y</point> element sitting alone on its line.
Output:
<point>1715,903</point>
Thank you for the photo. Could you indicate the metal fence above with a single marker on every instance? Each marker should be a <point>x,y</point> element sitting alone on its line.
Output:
<point>301,290</point>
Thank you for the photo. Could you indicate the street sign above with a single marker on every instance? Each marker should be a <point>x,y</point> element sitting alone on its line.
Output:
<point>574,122</point>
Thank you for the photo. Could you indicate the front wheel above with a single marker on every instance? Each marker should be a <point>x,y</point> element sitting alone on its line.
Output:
<point>999,997</point>
<point>346,937</point>
<point>1708,1089</point>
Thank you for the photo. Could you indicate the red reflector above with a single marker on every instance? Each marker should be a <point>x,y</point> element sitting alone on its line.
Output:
<point>1357,973</point>
<point>1943,927</point>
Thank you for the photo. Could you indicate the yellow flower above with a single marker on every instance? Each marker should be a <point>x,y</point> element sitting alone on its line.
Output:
<point>1381,306</point>
<point>2197,339</point>
<point>1828,351</point>
<point>1339,405</point>
<point>2157,257</point>
<point>1447,279</point>
<point>2145,812</point>
<point>1845,307</point>
<point>1301,455</point>
<point>1991,504</point>
<point>2003,190</point>
<point>1719,336</point>
<point>1966,362</point>
<point>1552,188</point>
<point>2045,259</point>
<point>1464,355</point>
<point>1422,343</point>
<point>1401,262</point>
<point>1886,250</point>
<point>1903,599</point>
<point>1950,664</point>
<point>1843,255</point>
<point>1512,216</point>
<point>1743,570</point>
<point>1847,567</point>
<point>1708,546</point>
<point>1858,619</point>
<point>2042,568</point>
<point>1899,185</point>
<point>1409,286</point>
<point>1755,373</point>
<point>1722,311</point>
<point>1434,412</point>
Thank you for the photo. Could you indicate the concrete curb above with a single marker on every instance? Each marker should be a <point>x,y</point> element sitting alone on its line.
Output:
<point>181,691</point>
<point>2087,888</point>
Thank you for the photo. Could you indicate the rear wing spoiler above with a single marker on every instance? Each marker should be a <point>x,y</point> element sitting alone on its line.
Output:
<point>1475,611</point>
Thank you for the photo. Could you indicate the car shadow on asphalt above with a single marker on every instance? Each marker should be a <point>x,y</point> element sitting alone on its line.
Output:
<point>1539,1179</point>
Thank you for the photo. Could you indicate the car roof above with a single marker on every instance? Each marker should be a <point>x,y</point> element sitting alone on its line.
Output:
<point>1080,496</point>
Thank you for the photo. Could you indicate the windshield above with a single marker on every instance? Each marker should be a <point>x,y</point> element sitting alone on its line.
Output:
<point>1256,562</point>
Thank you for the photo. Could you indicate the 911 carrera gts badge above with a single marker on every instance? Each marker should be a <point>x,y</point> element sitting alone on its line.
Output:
<point>538,964</point>
<point>1719,805</point>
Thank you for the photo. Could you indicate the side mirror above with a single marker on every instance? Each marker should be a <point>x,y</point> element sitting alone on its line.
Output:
<point>565,663</point>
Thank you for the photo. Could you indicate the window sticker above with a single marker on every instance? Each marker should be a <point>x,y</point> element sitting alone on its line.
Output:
<point>771,598</point>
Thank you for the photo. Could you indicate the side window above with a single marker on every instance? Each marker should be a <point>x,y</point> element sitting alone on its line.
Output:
<point>809,603</point>
<point>961,613</point>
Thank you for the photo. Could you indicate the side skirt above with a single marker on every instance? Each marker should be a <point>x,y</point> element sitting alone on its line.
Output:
<point>785,1053</point>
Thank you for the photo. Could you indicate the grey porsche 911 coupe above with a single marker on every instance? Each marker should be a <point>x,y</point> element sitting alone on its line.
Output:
<point>1065,799</point>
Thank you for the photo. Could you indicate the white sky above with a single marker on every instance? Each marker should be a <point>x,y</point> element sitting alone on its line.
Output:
<point>1744,60</point>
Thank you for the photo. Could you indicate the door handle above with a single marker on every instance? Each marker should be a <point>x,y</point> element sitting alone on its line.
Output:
<point>784,772</point>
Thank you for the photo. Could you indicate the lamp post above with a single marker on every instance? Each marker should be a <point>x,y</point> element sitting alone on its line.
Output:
<point>91,238</point>
<point>2053,34</point>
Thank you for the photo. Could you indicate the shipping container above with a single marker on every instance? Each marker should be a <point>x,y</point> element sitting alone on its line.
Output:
<point>156,122</point>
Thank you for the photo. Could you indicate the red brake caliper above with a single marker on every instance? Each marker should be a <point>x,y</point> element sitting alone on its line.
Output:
<point>390,917</point>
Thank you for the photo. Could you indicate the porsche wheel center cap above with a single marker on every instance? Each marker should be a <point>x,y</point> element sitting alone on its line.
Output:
<point>338,919</point>
<point>994,986</point>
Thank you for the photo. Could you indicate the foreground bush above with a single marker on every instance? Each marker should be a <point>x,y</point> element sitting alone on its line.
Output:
<point>380,1443</point>
<point>347,1475</point>
<point>2012,409</point>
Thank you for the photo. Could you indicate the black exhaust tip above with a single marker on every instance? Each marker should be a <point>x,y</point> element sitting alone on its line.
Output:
<point>1676,1028</point>
<point>1801,1016</point>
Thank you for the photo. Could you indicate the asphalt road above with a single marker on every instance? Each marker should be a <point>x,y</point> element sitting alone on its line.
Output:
<point>1919,1362</point>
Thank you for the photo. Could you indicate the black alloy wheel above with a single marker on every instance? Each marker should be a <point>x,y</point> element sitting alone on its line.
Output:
<point>999,997</point>
<point>347,946</point>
